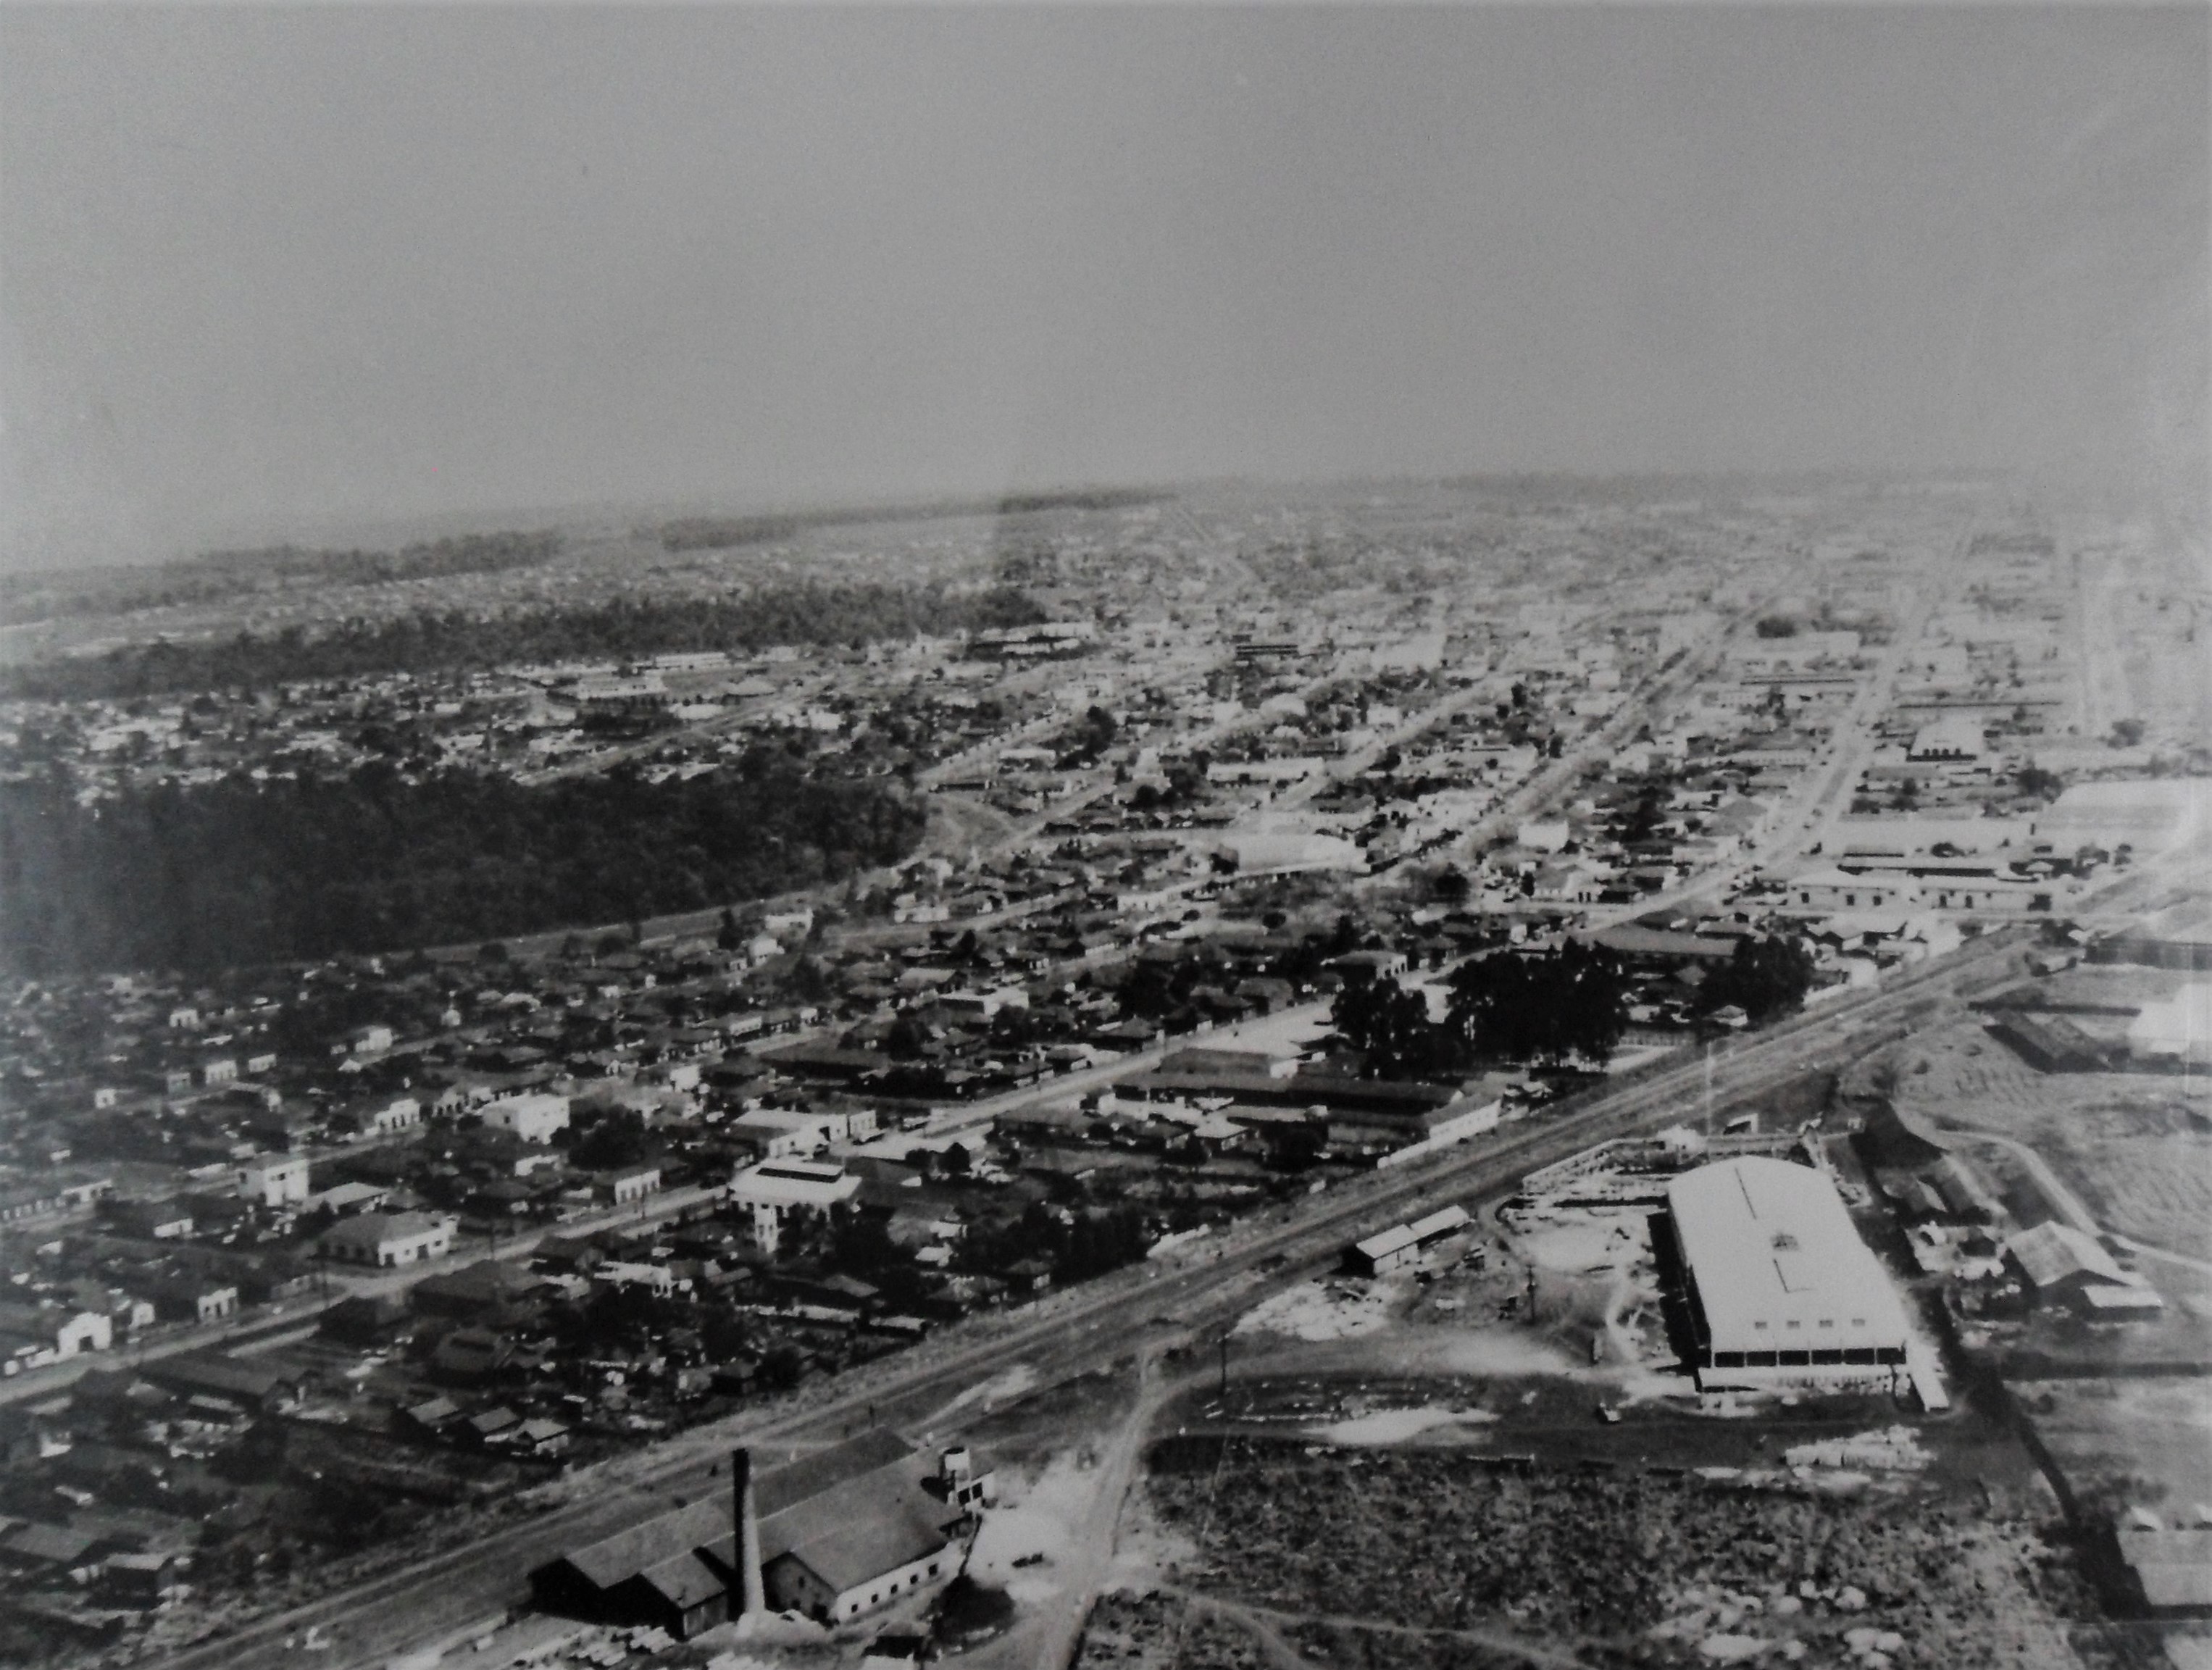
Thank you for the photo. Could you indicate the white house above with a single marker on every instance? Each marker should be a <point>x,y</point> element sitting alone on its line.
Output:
<point>273,1180</point>
<point>387,1242</point>
<point>533,1118</point>
<point>402,1112</point>
<point>623,1187</point>
<point>32,1336</point>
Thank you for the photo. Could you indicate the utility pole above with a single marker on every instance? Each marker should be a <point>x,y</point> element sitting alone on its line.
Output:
<point>1224,1366</point>
<point>1709,1087</point>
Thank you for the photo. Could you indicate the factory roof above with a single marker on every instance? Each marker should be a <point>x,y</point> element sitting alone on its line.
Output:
<point>1772,1251</point>
<point>647,1546</point>
<point>2052,1253</point>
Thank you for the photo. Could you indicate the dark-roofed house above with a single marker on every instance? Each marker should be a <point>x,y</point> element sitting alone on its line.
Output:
<point>839,1533</point>
<point>2059,1263</point>
<point>244,1384</point>
<point>655,1573</point>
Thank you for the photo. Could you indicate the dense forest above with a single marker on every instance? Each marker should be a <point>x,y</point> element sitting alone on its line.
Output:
<point>621,629</point>
<point>715,533</point>
<point>239,872</point>
<point>215,575</point>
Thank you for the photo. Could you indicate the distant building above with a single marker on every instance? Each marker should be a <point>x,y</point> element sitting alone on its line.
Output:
<point>342,1199</point>
<point>533,1118</point>
<point>622,1188</point>
<point>2061,1265</point>
<point>1402,1244</point>
<point>32,1336</point>
<point>388,1241</point>
<point>2176,1032</point>
<point>1830,889</point>
<point>402,1112</point>
<point>776,1188</point>
<point>1956,737</point>
<point>273,1180</point>
<point>1779,1287</point>
<point>243,1383</point>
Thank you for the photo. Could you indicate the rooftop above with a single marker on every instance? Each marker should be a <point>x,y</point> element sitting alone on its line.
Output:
<point>1769,1242</point>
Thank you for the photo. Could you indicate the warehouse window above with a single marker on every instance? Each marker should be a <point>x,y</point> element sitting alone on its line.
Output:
<point>1859,1354</point>
<point>1728,1359</point>
<point>1796,1359</point>
<point>1794,1323</point>
<point>1858,1322</point>
<point>1761,1326</point>
<point>1890,1354</point>
<point>1827,1321</point>
<point>1828,1357</point>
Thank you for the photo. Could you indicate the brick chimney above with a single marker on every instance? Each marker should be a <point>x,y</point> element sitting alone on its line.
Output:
<point>747,1522</point>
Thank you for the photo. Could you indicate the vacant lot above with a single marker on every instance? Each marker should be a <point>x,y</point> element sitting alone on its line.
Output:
<point>2127,1443</point>
<point>1434,1557</point>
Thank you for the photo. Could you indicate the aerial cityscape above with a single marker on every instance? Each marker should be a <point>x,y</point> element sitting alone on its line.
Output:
<point>1260,1066</point>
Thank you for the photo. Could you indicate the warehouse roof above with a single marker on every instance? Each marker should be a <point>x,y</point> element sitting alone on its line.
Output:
<point>1419,1233</point>
<point>2053,1253</point>
<point>1770,1242</point>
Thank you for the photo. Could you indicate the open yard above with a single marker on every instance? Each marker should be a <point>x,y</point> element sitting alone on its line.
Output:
<point>2127,1443</point>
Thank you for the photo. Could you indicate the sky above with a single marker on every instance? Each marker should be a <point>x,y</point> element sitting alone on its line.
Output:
<point>264,270</point>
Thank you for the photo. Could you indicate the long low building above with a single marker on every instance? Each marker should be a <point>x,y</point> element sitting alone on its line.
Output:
<point>1780,1288</point>
<point>1400,1245</point>
<point>833,1536</point>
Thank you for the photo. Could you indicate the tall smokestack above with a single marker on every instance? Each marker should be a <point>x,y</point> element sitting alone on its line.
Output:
<point>748,1530</point>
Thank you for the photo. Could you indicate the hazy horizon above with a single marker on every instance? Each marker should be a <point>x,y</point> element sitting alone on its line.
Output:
<point>264,272</point>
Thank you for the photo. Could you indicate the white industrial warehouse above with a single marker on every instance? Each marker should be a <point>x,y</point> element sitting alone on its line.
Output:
<point>1781,1289</point>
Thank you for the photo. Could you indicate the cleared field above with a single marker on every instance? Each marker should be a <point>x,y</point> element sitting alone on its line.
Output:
<point>1430,1557</point>
<point>2136,1147</point>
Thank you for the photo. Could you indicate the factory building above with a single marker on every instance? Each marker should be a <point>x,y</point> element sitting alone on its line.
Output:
<point>833,1536</point>
<point>1779,1288</point>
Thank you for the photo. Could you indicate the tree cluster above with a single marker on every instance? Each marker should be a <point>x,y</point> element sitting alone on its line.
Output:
<point>715,533</point>
<point>240,872</point>
<point>623,629</point>
<point>1504,1007</point>
<point>1765,978</point>
<point>220,574</point>
<point>1095,1242</point>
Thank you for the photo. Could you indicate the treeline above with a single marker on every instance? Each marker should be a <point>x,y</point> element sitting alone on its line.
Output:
<point>623,629</point>
<point>239,872</point>
<point>219,574</point>
<point>715,533</point>
<point>1504,1007</point>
